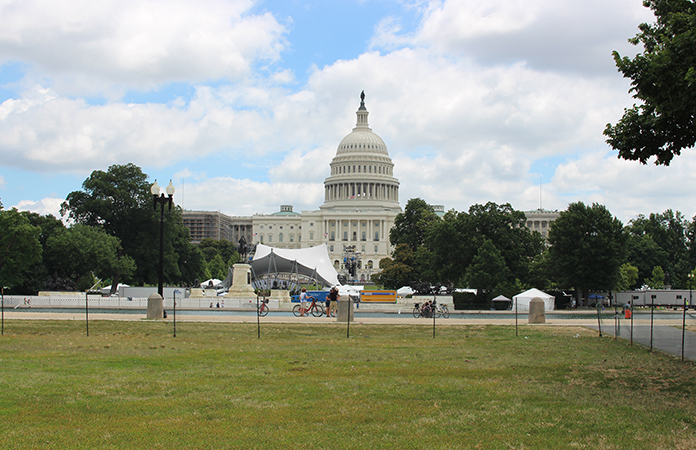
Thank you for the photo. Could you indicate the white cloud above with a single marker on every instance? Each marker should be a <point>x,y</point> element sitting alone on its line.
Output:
<point>557,35</point>
<point>468,103</point>
<point>140,43</point>
<point>44,206</point>
<point>244,197</point>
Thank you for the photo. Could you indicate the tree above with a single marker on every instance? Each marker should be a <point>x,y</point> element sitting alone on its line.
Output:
<point>119,201</point>
<point>19,247</point>
<point>454,241</point>
<point>664,80</point>
<point>586,248</point>
<point>411,226</point>
<point>224,248</point>
<point>399,271</point>
<point>35,276</point>
<point>628,277</point>
<point>217,267</point>
<point>659,240</point>
<point>657,281</point>
<point>81,251</point>
<point>487,270</point>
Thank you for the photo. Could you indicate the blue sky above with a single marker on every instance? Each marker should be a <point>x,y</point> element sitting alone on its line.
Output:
<point>243,103</point>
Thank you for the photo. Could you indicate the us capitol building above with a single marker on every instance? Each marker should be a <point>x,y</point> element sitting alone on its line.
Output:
<point>361,200</point>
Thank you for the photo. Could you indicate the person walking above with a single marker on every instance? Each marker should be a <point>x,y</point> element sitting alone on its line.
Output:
<point>627,310</point>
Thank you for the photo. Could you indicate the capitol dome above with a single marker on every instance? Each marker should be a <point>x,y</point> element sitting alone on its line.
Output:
<point>362,171</point>
<point>362,139</point>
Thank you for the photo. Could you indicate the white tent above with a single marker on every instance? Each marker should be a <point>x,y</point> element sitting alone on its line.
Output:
<point>521,301</point>
<point>107,290</point>
<point>403,291</point>
<point>313,262</point>
<point>214,282</point>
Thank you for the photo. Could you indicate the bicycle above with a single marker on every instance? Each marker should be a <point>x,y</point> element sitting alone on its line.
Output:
<point>439,310</point>
<point>263,308</point>
<point>317,309</point>
<point>442,310</point>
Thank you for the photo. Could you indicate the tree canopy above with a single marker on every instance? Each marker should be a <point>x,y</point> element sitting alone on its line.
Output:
<point>663,78</point>
<point>19,247</point>
<point>586,248</point>
<point>119,201</point>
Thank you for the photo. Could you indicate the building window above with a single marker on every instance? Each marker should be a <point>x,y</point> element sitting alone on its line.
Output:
<point>362,249</point>
<point>369,264</point>
<point>333,236</point>
<point>331,248</point>
<point>261,239</point>
<point>376,248</point>
<point>280,237</point>
<point>364,237</point>
<point>311,235</point>
<point>292,238</point>
<point>270,238</point>
<point>376,235</point>
<point>345,235</point>
<point>355,235</point>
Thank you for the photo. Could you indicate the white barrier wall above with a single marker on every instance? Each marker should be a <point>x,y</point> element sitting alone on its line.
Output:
<point>78,301</point>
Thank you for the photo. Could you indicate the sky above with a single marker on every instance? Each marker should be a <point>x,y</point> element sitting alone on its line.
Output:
<point>242,103</point>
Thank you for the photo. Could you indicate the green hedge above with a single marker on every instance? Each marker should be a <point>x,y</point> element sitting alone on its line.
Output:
<point>469,300</point>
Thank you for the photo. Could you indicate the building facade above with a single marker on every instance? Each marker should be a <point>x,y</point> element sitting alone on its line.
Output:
<point>361,200</point>
<point>216,225</point>
<point>540,220</point>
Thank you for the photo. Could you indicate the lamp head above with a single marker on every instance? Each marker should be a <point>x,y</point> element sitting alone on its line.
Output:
<point>170,189</point>
<point>155,189</point>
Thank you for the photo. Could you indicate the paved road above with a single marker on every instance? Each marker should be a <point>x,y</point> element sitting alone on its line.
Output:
<point>667,338</point>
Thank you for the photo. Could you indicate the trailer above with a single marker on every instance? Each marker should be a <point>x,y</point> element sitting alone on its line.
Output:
<point>657,297</point>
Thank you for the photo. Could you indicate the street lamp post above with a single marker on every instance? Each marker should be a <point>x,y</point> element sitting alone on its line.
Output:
<point>162,200</point>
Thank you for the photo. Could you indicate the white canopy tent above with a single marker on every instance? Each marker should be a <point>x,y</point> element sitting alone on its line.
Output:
<point>521,300</point>
<point>312,262</point>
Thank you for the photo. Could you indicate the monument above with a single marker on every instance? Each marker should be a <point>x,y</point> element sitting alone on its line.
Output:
<point>241,283</point>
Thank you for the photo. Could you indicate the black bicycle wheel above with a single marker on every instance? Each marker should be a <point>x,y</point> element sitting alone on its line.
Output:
<point>296,310</point>
<point>416,313</point>
<point>263,310</point>
<point>445,312</point>
<point>318,310</point>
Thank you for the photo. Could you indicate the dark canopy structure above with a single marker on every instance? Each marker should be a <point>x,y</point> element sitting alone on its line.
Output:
<point>312,262</point>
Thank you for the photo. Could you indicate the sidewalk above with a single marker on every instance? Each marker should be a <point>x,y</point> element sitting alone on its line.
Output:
<point>665,337</point>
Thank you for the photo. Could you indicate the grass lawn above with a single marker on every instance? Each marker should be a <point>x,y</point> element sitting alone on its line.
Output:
<point>216,385</point>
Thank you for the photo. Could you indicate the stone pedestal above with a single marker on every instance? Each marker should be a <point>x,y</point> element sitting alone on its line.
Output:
<point>345,311</point>
<point>197,293</point>
<point>536,311</point>
<point>282,295</point>
<point>155,306</point>
<point>241,282</point>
